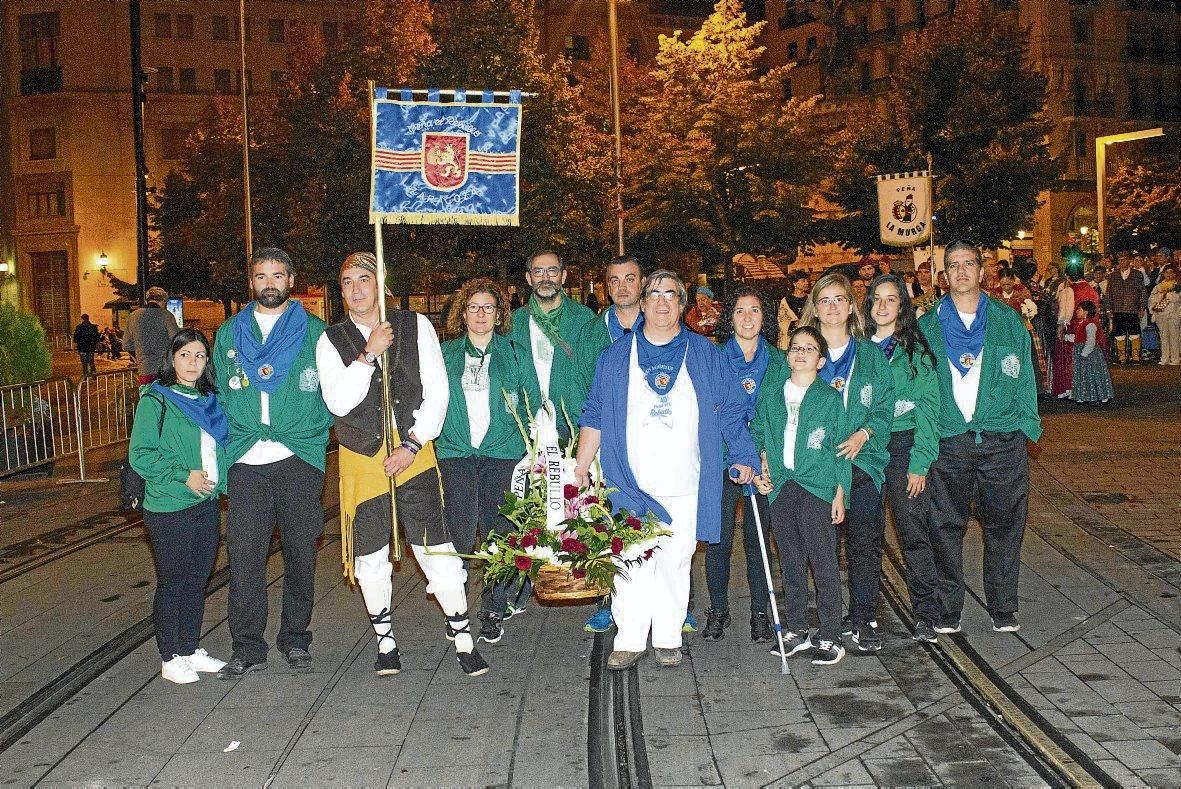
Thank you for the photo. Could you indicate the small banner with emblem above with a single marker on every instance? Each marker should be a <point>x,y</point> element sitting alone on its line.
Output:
<point>904,208</point>
<point>438,162</point>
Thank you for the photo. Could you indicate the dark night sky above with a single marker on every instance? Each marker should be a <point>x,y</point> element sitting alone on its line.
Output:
<point>702,7</point>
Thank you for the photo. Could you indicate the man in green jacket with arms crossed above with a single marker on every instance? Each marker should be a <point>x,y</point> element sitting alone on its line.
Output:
<point>988,409</point>
<point>549,325</point>
<point>265,360</point>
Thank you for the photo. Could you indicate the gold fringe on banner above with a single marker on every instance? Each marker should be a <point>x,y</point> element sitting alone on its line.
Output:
<point>498,220</point>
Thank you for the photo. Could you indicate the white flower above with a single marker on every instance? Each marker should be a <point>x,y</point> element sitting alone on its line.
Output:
<point>1028,308</point>
<point>1011,365</point>
<point>816,438</point>
<point>493,548</point>
<point>633,552</point>
<point>540,552</point>
<point>902,406</point>
<point>867,395</point>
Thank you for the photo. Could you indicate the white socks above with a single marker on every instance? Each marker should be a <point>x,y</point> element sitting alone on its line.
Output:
<point>445,580</point>
<point>375,576</point>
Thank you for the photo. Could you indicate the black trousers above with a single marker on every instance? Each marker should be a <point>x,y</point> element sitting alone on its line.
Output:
<point>912,525</point>
<point>473,492</point>
<point>802,524</point>
<point>286,493</point>
<point>863,531</point>
<point>184,544</point>
<point>997,468</point>
<point>717,555</point>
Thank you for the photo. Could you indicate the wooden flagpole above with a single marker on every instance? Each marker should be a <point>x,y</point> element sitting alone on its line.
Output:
<point>389,425</point>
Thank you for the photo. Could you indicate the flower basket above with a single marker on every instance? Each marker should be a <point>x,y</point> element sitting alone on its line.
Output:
<point>569,542</point>
<point>555,584</point>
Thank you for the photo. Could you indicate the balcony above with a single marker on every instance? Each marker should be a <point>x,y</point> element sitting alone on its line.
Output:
<point>41,79</point>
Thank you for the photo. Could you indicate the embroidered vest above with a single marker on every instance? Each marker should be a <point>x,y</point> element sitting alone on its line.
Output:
<point>360,429</point>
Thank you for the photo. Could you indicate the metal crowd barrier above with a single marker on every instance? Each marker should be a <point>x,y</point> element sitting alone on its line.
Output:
<point>46,421</point>
<point>39,423</point>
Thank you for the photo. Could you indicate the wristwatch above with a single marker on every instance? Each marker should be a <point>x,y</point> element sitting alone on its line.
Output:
<point>370,357</point>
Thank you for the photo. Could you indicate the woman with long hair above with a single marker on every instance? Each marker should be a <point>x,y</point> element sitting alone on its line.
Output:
<point>858,370</point>
<point>177,446</point>
<point>914,440</point>
<point>481,444</point>
<point>748,330</point>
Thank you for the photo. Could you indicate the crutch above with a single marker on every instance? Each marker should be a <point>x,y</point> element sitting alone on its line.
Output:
<point>754,505</point>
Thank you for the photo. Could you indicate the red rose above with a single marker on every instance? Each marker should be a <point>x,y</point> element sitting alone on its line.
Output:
<point>648,553</point>
<point>524,563</point>
<point>534,532</point>
<point>572,545</point>
<point>570,491</point>
<point>578,574</point>
<point>591,500</point>
<point>528,541</point>
<point>616,545</point>
<point>512,541</point>
<point>600,528</point>
<point>635,522</point>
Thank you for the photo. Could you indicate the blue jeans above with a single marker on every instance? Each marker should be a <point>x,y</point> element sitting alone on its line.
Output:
<point>717,555</point>
<point>184,545</point>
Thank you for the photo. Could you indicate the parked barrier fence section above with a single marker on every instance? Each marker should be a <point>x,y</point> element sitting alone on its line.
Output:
<point>46,421</point>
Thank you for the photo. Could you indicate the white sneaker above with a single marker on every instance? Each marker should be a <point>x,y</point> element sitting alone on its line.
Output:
<point>178,670</point>
<point>201,661</point>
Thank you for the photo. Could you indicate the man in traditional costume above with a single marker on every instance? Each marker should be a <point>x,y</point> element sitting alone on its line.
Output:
<point>661,404</point>
<point>348,356</point>
<point>989,409</point>
<point>264,359</point>
<point>549,326</point>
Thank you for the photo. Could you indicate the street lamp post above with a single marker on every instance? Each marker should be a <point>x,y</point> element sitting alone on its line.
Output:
<point>1101,144</point>
<point>613,34</point>
<point>141,168</point>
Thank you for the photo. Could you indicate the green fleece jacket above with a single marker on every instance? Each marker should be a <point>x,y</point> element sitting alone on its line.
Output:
<point>1007,398</point>
<point>299,419</point>
<point>565,383</point>
<point>508,372</point>
<point>871,404</point>
<point>823,425</point>
<point>916,406</point>
<point>165,454</point>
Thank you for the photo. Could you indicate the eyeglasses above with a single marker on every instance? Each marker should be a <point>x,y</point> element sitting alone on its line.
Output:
<point>552,271</point>
<point>487,309</point>
<point>663,295</point>
<point>805,349</point>
<point>830,300</point>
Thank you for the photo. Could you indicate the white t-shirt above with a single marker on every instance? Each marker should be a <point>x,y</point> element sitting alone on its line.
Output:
<point>965,387</point>
<point>662,446</point>
<point>475,394</point>
<point>543,356</point>
<point>793,396</point>
<point>264,450</point>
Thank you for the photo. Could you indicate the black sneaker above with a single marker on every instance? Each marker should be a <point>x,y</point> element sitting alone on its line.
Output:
<point>388,663</point>
<point>826,653</point>
<point>948,625</point>
<point>1005,623</point>
<point>716,622</point>
<point>760,628</point>
<point>298,659</point>
<point>238,668</point>
<point>492,629</point>
<point>924,631</point>
<point>865,637</point>
<point>848,628</point>
<point>472,664</point>
<point>793,643</point>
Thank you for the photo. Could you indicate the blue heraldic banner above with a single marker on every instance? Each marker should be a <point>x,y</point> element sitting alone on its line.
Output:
<point>445,163</point>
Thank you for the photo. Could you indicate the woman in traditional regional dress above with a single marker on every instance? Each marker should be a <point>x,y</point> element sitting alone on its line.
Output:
<point>661,406</point>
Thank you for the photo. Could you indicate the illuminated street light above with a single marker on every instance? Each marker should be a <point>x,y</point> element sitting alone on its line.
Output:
<point>1101,144</point>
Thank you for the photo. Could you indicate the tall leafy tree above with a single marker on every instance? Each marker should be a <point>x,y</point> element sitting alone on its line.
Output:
<point>1144,200</point>
<point>722,163</point>
<point>965,93</point>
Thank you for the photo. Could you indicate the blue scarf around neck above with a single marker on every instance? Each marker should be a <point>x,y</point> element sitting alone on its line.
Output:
<point>835,372</point>
<point>749,374</point>
<point>888,345</point>
<point>203,410</point>
<point>266,365</point>
<point>964,345</point>
<point>615,328</point>
<point>662,363</point>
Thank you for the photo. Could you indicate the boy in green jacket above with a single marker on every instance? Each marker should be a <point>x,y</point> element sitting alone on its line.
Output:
<point>799,420</point>
<point>265,359</point>
<point>988,410</point>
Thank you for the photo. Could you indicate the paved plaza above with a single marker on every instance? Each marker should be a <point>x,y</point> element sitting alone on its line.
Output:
<point>1096,665</point>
